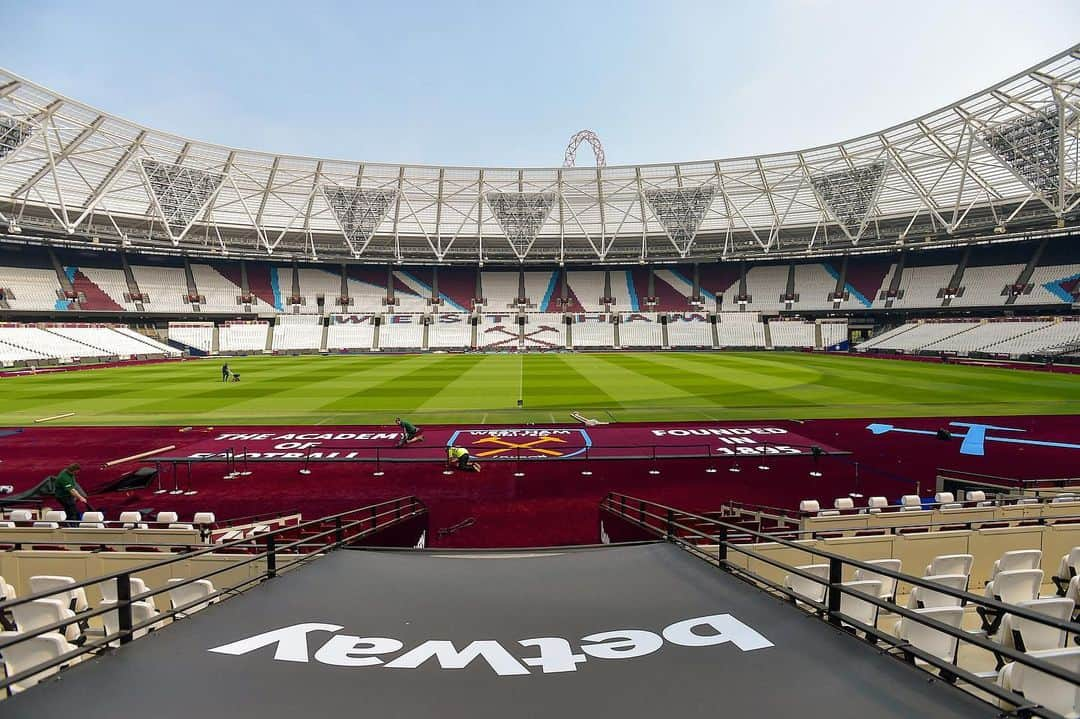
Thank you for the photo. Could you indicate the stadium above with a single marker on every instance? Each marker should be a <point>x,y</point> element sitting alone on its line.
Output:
<point>810,417</point>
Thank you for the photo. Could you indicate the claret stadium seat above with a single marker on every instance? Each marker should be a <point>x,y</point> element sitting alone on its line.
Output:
<point>950,564</point>
<point>809,589</point>
<point>923,598</point>
<point>1069,568</point>
<point>43,612</point>
<point>888,584</point>
<point>1057,695</point>
<point>30,653</point>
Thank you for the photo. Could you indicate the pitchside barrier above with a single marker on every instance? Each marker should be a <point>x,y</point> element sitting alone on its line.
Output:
<point>261,556</point>
<point>708,539</point>
<point>960,482</point>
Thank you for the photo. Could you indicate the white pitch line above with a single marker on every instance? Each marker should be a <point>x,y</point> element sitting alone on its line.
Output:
<point>55,416</point>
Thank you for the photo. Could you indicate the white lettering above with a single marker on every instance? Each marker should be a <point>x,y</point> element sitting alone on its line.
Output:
<point>726,628</point>
<point>345,650</point>
<point>291,642</point>
<point>493,653</point>
<point>556,655</point>
<point>634,643</point>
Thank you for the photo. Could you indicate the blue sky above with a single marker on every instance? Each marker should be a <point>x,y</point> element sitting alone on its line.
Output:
<point>506,84</point>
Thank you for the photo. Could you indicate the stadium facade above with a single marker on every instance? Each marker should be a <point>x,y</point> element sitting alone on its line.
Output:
<point>999,164</point>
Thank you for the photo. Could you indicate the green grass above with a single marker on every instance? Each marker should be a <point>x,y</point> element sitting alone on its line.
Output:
<point>361,389</point>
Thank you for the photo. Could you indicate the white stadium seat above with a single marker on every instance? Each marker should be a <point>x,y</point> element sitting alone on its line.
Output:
<point>30,653</point>
<point>887,584</point>
<point>1056,695</point>
<point>45,612</point>
<point>1017,559</point>
<point>188,593</point>
<point>925,598</point>
<point>1027,635</point>
<point>930,640</point>
<point>950,564</point>
<point>809,589</point>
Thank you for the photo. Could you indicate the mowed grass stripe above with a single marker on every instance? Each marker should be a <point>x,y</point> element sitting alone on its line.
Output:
<point>363,389</point>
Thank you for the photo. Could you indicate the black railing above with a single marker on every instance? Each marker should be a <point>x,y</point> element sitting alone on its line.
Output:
<point>319,536</point>
<point>685,529</point>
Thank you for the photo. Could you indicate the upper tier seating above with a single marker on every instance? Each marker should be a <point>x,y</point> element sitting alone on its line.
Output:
<point>765,284</point>
<point>220,294</point>
<point>31,288</point>
<point>588,287</point>
<point>165,288</point>
<point>314,282</point>
<point>112,282</point>
<point>814,285</point>
<point>920,285</point>
<point>500,290</point>
<point>983,286</point>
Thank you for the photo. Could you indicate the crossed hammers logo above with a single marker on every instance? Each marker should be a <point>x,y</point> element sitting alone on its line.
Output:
<point>505,446</point>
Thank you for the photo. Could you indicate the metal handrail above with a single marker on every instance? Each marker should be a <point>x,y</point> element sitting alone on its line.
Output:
<point>401,510</point>
<point>634,510</point>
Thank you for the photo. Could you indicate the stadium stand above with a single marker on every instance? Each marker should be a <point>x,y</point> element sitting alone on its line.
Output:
<point>623,293</point>
<point>315,282</point>
<point>740,329</point>
<point>834,334</point>
<point>721,278</point>
<point>637,330</point>
<point>243,336</point>
<point>765,284</point>
<point>164,287</point>
<point>913,337</point>
<point>193,335</point>
<point>219,294</point>
<point>457,289</point>
<point>351,332</point>
<point>297,332</point>
<point>792,333</point>
<point>588,288</point>
<point>596,331</point>
<point>402,331</point>
<point>412,289</point>
<point>544,331</point>
<point>815,284</point>
<point>673,288</point>
<point>450,331</point>
<point>542,291</point>
<point>367,289</point>
<point>27,288</point>
<point>500,290</point>
<point>689,329</point>
<point>113,283</point>
<point>497,331</point>
<point>924,277</point>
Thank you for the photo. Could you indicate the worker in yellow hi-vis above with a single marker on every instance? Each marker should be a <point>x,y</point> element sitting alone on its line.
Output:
<point>459,457</point>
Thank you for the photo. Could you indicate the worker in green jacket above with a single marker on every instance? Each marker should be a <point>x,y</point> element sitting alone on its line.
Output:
<point>409,432</point>
<point>66,491</point>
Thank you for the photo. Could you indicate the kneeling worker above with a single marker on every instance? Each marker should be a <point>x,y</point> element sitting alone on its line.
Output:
<point>66,491</point>
<point>409,432</point>
<point>459,457</point>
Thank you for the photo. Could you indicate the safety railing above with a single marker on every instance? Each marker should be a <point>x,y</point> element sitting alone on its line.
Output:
<point>317,537</point>
<point>697,534</point>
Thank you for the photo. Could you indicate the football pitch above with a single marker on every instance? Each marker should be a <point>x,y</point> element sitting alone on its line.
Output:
<point>444,388</point>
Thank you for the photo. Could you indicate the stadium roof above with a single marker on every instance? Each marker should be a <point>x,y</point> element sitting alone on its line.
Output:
<point>1003,161</point>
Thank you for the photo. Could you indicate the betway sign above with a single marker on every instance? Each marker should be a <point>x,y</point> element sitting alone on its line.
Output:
<point>549,654</point>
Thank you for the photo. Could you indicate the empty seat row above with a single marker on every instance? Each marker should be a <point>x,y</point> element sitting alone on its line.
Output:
<point>52,518</point>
